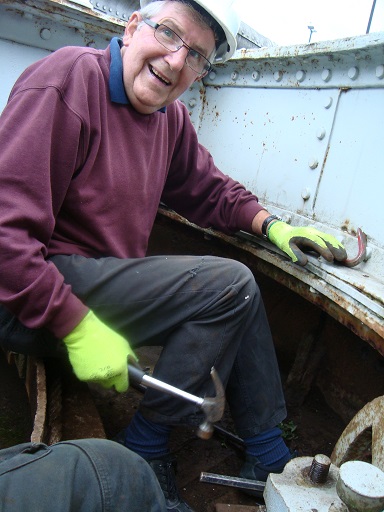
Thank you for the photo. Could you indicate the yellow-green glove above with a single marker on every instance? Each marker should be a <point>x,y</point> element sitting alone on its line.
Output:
<point>98,354</point>
<point>293,240</point>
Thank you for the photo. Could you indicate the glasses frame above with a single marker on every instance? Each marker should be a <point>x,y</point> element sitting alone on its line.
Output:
<point>155,26</point>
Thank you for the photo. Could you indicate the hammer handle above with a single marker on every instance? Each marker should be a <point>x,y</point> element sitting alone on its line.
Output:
<point>141,377</point>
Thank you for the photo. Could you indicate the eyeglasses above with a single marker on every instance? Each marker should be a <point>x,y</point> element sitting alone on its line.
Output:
<point>173,42</point>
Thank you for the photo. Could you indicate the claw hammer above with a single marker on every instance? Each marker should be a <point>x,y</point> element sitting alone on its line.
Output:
<point>213,407</point>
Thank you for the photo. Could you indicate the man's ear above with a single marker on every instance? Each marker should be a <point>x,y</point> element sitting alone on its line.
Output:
<point>131,27</point>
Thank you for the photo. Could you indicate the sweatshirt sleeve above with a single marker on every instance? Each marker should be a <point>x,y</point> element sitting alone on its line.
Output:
<point>39,140</point>
<point>199,191</point>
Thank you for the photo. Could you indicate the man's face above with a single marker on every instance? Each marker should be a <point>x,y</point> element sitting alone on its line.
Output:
<point>153,76</point>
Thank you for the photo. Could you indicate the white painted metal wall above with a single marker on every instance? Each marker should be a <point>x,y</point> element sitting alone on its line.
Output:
<point>302,127</point>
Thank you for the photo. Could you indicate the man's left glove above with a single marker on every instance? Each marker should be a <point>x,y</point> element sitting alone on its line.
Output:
<point>293,240</point>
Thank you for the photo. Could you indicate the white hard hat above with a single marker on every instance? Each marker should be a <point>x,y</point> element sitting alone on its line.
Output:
<point>224,12</point>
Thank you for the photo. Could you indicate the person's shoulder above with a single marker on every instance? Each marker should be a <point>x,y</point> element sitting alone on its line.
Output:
<point>62,65</point>
<point>68,57</point>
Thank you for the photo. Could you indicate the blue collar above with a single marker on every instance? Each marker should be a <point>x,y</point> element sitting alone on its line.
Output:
<point>116,84</point>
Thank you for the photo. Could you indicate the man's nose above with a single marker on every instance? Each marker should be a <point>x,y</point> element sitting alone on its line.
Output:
<point>176,60</point>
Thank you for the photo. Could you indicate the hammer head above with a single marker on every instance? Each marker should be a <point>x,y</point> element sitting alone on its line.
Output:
<point>213,408</point>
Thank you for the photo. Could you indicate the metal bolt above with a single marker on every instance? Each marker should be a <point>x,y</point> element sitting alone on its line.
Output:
<point>235,75</point>
<point>212,75</point>
<point>326,75</point>
<point>300,76</point>
<point>45,34</point>
<point>192,102</point>
<point>321,133</point>
<point>278,75</point>
<point>256,76</point>
<point>287,218</point>
<point>353,73</point>
<point>318,472</point>
<point>313,163</point>
<point>328,102</point>
<point>305,194</point>
<point>380,71</point>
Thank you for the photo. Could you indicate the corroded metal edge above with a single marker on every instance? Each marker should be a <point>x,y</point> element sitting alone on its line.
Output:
<point>355,310</point>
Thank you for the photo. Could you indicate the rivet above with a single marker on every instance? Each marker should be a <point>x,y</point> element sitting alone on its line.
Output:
<point>300,76</point>
<point>305,194</point>
<point>278,75</point>
<point>287,218</point>
<point>256,76</point>
<point>45,34</point>
<point>235,75</point>
<point>313,163</point>
<point>353,73</point>
<point>192,102</point>
<point>124,16</point>
<point>212,75</point>
<point>321,134</point>
<point>328,102</point>
<point>380,71</point>
<point>326,75</point>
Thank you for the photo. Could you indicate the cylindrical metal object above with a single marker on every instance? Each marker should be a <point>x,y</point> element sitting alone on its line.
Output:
<point>318,472</point>
<point>233,481</point>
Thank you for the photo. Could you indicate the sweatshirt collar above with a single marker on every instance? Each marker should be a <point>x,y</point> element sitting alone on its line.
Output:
<point>116,84</point>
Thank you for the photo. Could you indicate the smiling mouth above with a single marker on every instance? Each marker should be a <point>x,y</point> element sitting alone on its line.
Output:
<point>158,76</point>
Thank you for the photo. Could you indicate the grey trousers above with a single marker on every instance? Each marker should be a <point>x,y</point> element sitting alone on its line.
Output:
<point>88,475</point>
<point>204,312</point>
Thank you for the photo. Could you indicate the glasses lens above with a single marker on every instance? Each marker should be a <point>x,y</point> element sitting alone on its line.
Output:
<point>170,40</point>
<point>197,62</point>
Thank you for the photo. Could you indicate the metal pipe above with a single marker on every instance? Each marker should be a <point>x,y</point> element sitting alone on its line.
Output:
<point>232,481</point>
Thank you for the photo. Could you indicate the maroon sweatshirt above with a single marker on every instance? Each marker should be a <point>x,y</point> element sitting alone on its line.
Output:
<point>81,172</point>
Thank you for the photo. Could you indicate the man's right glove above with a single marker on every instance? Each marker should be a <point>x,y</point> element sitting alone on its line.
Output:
<point>98,354</point>
<point>293,240</point>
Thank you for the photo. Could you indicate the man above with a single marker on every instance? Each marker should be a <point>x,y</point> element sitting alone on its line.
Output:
<point>78,476</point>
<point>91,142</point>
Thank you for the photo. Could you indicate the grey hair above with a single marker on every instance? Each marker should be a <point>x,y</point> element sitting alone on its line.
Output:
<point>199,16</point>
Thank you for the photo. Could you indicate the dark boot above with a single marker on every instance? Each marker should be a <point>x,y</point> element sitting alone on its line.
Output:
<point>164,469</point>
<point>253,469</point>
